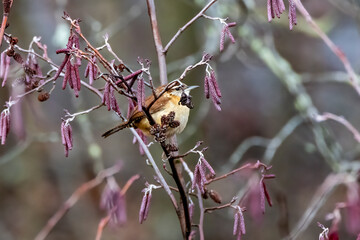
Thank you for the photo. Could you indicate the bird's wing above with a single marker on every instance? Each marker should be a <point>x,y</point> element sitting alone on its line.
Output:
<point>157,106</point>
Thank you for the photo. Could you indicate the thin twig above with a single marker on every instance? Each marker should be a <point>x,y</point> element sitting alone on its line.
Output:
<point>210,209</point>
<point>158,43</point>
<point>341,120</point>
<point>72,200</point>
<point>129,183</point>
<point>102,224</point>
<point>248,165</point>
<point>156,169</point>
<point>335,49</point>
<point>183,28</point>
<point>320,197</point>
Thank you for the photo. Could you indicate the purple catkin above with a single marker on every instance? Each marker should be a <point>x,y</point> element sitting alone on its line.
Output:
<point>222,37</point>
<point>7,117</point>
<point>140,93</point>
<point>131,107</point>
<point>215,83</point>
<point>147,207</point>
<point>87,69</point>
<point>66,137</point>
<point>268,199</point>
<point>114,203</point>
<point>91,74</point>
<point>70,142</point>
<point>196,177</point>
<point>230,35</point>
<point>262,197</point>
<point>114,104</point>
<point>202,174</point>
<point>281,5</point>
<point>231,24</point>
<point>64,62</point>
<point>206,87</point>
<point>275,8</point>
<point>269,10</point>
<point>292,14</point>
<point>241,222</point>
<point>236,223</point>
<point>63,141</point>
<point>208,166</point>
<point>213,92</point>
<point>95,70</point>
<point>73,77</point>
<point>77,76</point>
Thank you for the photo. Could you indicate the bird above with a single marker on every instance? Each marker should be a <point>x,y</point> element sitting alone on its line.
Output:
<point>174,97</point>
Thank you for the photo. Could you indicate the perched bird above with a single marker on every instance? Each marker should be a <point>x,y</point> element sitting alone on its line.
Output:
<point>175,99</point>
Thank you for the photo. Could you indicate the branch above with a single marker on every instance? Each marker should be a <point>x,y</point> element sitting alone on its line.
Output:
<point>183,28</point>
<point>335,49</point>
<point>102,224</point>
<point>158,43</point>
<point>156,169</point>
<point>72,200</point>
<point>341,120</point>
<point>320,197</point>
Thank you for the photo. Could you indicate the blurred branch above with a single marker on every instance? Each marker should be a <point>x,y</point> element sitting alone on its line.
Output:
<point>335,49</point>
<point>292,81</point>
<point>335,76</point>
<point>244,146</point>
<point>320,197</point>
<point>271,145</point>
<point>72,200</point>
<point>275,143</point>
<point>341,120</point>
<point>102,224</point>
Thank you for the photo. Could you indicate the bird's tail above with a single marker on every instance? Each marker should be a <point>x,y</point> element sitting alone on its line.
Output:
<point>115,129</point>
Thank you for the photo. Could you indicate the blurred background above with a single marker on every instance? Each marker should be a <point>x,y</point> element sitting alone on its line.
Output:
<point>257,103</point>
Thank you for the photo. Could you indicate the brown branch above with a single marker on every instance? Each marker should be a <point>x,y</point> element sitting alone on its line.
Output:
<point>210,209</point>
<point>248,165</point>
<point>102,224</point>
<point>129,183</point>
<point>158,43</point>
<point>72,200</point>
<point>183,28</point>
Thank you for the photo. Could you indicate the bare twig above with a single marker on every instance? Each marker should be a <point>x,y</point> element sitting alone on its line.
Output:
<point>335,49</point>
<point>72,200</point>
<point>246,166</point>
<point>341,120</point>
<point>156,169</point>
<point>322,194</point>
<point>102,224</point>
<point>158,43</point>
<point>183,28</point>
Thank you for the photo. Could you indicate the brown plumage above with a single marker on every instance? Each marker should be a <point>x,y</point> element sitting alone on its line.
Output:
<point>169,101</point>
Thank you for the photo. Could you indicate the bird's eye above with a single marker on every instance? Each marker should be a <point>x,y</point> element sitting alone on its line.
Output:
<point>177,88</point>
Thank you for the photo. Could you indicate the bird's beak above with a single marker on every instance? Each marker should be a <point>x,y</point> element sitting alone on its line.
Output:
<point>189,88</point>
